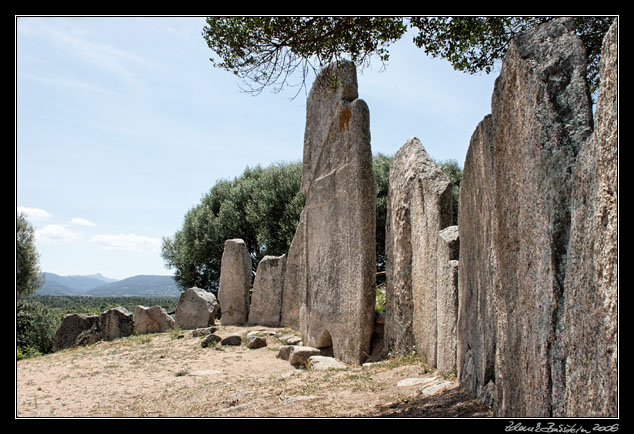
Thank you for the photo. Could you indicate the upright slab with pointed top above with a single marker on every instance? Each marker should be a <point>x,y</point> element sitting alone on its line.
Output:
<point>337,256</point>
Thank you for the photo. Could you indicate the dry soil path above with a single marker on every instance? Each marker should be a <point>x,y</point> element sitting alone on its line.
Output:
<point>163,375</point>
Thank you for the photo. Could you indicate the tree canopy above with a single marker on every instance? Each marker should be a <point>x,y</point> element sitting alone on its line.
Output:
<point>266,51</point>
<point>261,206</point>
<point>27,259</point>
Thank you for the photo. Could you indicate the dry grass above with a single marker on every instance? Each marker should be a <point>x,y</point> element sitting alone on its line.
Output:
<point>162,375</point>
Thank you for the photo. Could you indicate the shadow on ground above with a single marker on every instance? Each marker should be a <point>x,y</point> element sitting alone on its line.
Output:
<point>452,402</point>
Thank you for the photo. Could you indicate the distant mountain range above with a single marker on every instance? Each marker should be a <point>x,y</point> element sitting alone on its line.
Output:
<point>96,285</point>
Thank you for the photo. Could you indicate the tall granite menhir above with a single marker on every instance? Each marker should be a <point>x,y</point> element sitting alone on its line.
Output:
<point>333,253</point>
<point>514,237</point>
<point>591,287</point>
<point>447,299</point>
<point>541,117</point>
<point>266,299</point>
<point>477,322</point>
<point>235,283</point>
<point>419,207</point>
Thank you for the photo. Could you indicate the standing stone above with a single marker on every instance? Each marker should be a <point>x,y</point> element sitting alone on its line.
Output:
<point>432,197</point>
<point>90,336</point>
<point>152,319</point>
<point>74,329</point>
<point>447,299</point>
<point>266,299</point>
<point>196,308</point>
<point>591,285</point>
<point>398,334</point>
<point>541,118</point>
<point>235,283</point>
<point>294,277</point>
<point>117,323</point>
<point>419,206</point>
<point>338,239</point>
<point>476,329</point>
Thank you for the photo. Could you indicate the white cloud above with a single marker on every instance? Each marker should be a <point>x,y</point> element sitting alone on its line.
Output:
<point>57,234</point>
<point>81,222</point>
<point>34,213</point>
<point>127,242</point>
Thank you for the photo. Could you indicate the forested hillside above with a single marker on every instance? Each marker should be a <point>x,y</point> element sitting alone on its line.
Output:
<point>62,305</point>
<point>99,286</point>
<point>138,286</point>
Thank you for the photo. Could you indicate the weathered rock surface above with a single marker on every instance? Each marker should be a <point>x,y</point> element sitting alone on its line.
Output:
<point>285,352</point>
<point>591,286</point>
<point>337,250</point>
<point>408,382</point>
<point>476,328</point>
<point>90,336</point>
<point>199,332</point>
<point>399,304</point>
<point>210,339</point>
<point>447,299</point>
<point>537,326</point>
<point>254,342</point>
<point>232,340</point>
<point>152,319</point>
<point>541,116</point>
<point>299,355</point>
<point>434,385</point>
<point>74,329</point>
<point>116,323</point>
<point>323,363</point>
<point>294,277</point>
<point>196,308</point>
<point>290,339</point>
<point>235,283</point>
<point>266,297</point>
<point>419,206</point>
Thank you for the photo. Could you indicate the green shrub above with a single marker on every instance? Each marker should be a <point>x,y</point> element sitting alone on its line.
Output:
<point>26,352</point>
<point>35,328</point>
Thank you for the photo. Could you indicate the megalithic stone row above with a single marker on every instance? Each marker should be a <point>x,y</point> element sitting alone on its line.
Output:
<point>69,333</point>
<point>332,263</point>
<point>515,231</point>
<point>235,283</point>
<point>541,118</point>
<point>447,299</point>
<point>419,207</point>
<point>266,297</point>
<point>590,326</point>
<point>196,308</point>
<point>117,323</point>
<point>476,328</point>
<point>294,277</point>
<point>154,319</point>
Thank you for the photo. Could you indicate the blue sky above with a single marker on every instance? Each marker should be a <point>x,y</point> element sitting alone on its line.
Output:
<point>122,124</point>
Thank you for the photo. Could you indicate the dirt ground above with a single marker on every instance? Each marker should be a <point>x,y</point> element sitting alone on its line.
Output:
<point>163,375</point>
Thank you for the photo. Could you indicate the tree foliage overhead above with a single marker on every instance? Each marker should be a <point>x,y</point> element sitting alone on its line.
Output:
<point>266,51</point>
<point>474,44</point>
